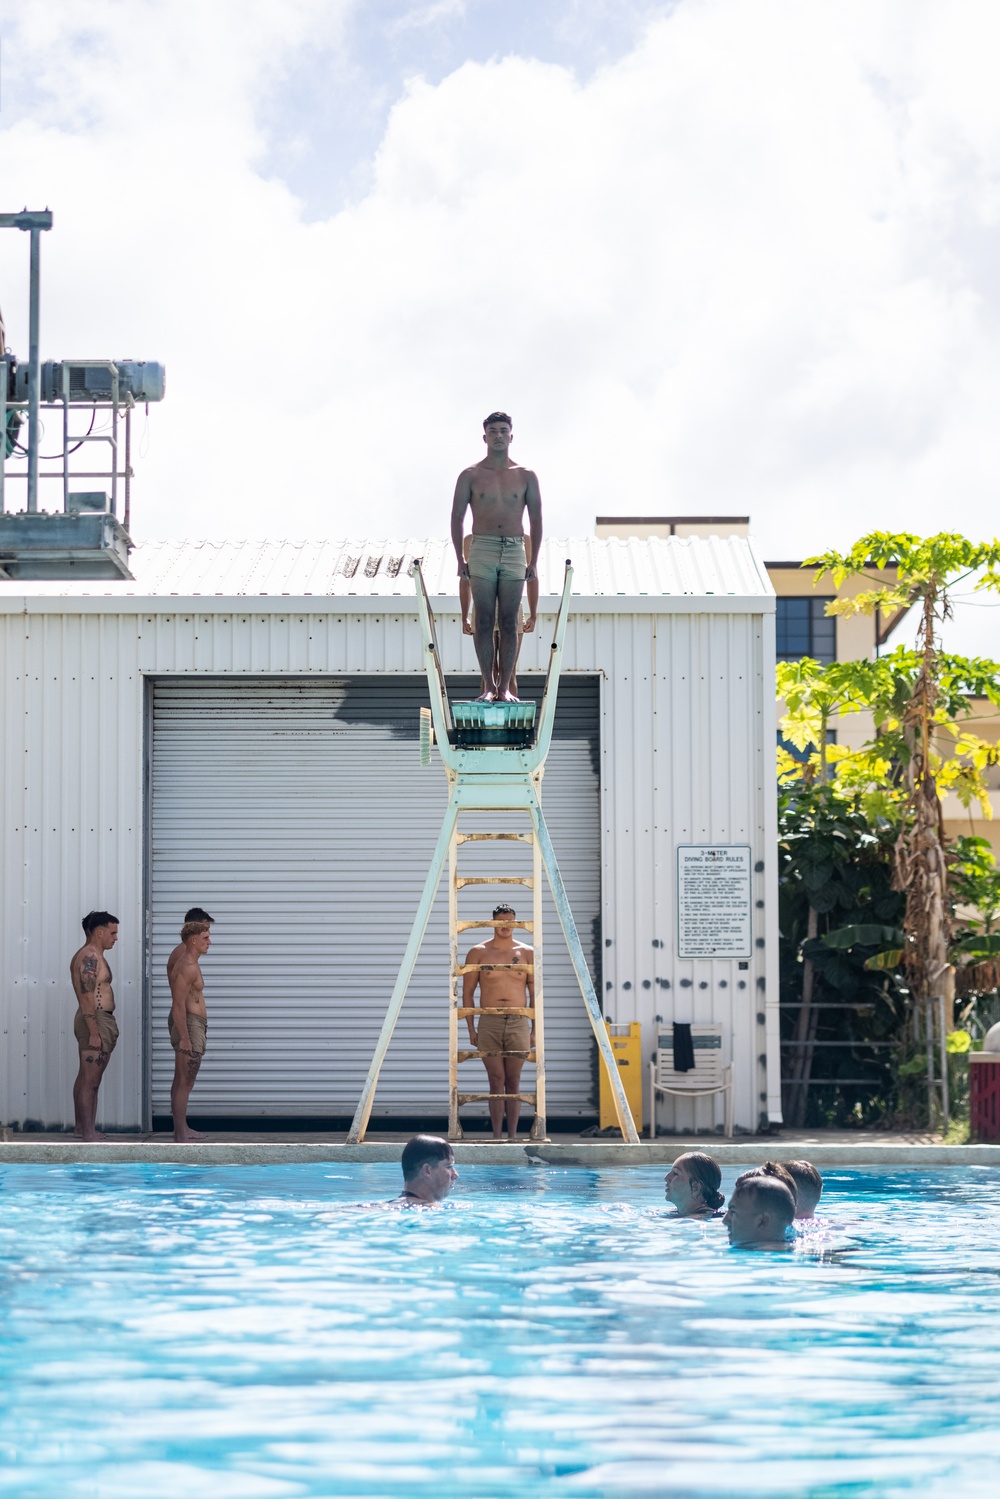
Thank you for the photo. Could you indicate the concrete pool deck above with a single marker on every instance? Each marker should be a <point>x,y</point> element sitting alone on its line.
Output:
<point>231,1148</point>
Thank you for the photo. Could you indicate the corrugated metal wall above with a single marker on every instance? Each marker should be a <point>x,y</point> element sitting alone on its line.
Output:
<point>686,756</point>
<point>297,812</point>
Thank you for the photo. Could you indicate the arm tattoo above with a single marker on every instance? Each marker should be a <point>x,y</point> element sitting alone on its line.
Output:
<point>88,975</point>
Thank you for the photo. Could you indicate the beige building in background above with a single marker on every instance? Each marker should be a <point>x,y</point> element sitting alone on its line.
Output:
<point>803,628</point>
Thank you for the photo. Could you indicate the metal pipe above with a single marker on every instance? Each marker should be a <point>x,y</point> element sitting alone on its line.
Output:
<point>34,380</point>
<point>929,1023</point>
<point>128,468</point>
<point>3,423</point>
<point>944,1065</point>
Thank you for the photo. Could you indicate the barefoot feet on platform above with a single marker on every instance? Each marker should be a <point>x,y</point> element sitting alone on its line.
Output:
<point>486,697</point>
<point>183,1136</point>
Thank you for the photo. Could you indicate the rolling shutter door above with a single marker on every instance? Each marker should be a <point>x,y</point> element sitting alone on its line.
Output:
<point>298,814</point>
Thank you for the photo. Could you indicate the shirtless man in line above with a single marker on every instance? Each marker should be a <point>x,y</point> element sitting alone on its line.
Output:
<point>503,1040</point>
<point>499,492</point>
<point>94,1024</point>
<point>188,1021</point>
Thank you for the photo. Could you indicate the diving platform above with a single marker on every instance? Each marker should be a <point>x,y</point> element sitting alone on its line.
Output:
<point>494,757</point>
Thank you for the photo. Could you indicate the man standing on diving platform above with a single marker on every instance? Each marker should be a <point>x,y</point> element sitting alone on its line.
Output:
<point>499,491</point>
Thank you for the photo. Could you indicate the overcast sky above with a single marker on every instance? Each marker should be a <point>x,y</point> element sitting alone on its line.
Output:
<point>715,256</point>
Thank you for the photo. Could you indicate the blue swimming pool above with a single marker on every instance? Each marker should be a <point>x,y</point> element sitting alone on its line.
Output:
<point>243,1332</point>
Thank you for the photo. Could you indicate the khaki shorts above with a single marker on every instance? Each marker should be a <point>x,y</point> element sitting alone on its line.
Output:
<point>197,1031</point>
<point>107,1029</point>
<point>496,557</point>
<point>504,1035</point>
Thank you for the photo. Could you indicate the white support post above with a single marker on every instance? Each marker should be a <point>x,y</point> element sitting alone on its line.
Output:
<point>363,1111</point>
<point>538,1127</point>
<point>625,1121</point>
<point>456,985</point>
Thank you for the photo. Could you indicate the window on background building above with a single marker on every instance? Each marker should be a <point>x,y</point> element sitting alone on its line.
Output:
<point>805,629</point>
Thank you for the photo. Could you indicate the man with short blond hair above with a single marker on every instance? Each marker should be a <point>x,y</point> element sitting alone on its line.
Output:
<point>188,1020</point>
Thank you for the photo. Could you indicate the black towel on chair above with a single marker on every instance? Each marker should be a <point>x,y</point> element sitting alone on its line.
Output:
<point>683,1048</point>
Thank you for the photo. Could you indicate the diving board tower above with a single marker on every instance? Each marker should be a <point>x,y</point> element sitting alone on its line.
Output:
<point>494,757</point>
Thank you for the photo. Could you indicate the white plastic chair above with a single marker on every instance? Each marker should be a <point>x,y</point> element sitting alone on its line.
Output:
<point>709,1074</point>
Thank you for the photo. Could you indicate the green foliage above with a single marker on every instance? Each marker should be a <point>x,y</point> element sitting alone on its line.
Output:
<point>814,694</point>
<point>841,839</point>
<point>975,881</point>
<point>921,564</point>
<point>832,859</point>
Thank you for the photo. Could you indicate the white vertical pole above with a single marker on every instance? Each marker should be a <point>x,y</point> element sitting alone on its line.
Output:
<point>538,1126</point>
<point>625,1121</point>
<point>363,1111</point>
<point>455,986</point>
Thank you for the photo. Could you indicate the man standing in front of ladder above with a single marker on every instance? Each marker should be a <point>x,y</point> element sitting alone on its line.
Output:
<point>503,1041</point>
<point>188,1020</point>
<point>499,491</point>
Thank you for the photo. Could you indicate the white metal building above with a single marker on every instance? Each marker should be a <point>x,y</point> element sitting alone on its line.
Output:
<point>238,729</point>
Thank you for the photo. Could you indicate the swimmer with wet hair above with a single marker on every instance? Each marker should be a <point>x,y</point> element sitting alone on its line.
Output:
<point>760,1212</point>
<point>776,1169</point>
<point>428,1172</point>
<point>809,1187</point>
<point>692,1186</point>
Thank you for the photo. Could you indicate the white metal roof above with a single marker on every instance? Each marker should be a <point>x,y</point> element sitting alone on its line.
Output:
<point>604,568</point>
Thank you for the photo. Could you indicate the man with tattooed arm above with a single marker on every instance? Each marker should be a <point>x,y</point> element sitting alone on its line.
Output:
<point>94,1024</point>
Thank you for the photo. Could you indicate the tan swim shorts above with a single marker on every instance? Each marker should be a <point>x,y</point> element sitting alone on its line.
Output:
<point>504,1035</point>
<point>197,1031</point>
<point>496,557</point>
<point>107,1029</point>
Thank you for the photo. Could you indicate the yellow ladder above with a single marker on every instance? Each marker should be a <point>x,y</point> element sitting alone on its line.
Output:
<point>458,1012</point>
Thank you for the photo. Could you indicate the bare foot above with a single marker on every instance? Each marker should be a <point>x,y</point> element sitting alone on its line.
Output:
<point>508,697</point>
<point>487,697</point>
<point>95,1135</point>
<point>188,1134</point>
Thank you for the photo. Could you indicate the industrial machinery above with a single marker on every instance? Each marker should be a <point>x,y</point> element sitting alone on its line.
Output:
<point>85,537</point>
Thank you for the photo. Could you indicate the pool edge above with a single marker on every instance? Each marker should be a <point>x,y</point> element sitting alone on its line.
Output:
<point>598,1153</point>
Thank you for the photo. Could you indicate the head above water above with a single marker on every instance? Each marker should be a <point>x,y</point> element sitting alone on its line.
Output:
<point>428,1167</point>
<point>692,1184</point>
<point>94,920</point>
<point>809,1187</point>
<point>777,1170</point>
<point>760,1211</point>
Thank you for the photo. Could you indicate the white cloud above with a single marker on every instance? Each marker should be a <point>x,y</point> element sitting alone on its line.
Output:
<point>750,267</point>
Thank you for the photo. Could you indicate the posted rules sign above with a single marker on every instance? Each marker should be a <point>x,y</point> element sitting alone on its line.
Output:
<point>713,901</point>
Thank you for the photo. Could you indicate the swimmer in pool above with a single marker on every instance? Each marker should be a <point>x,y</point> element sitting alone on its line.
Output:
<point>692,1186</point>
<point>760,1212</point>
<point>809,1188</point>
<point>776,1169</point>
<point>428,1172</point>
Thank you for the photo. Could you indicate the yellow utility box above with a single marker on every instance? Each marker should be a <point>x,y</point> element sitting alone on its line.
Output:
<point>626,1043</point>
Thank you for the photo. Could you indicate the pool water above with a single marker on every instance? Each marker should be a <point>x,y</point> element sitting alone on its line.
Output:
<point>245,1332</point>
